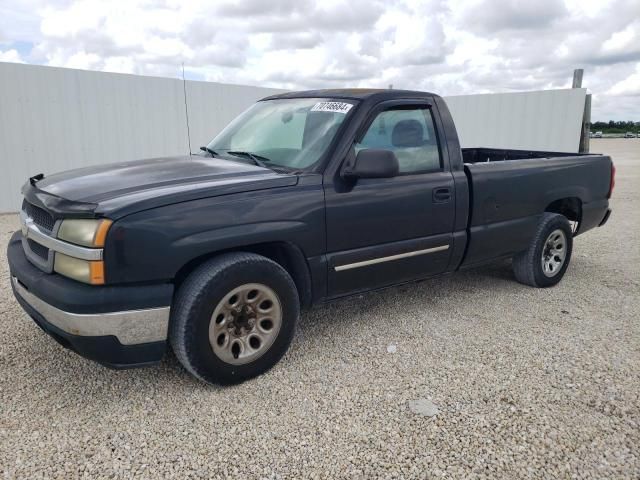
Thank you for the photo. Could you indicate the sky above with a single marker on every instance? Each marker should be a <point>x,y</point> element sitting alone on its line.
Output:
<point>447,47</point>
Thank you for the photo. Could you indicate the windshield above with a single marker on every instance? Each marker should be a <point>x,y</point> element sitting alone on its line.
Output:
<point>292,133</point>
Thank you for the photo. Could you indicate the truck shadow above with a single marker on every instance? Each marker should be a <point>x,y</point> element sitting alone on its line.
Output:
<point>391,314</point>
<point>496,278</point>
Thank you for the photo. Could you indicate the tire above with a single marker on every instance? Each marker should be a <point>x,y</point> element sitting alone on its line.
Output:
<point>241,342</point>
<point>530,267</point>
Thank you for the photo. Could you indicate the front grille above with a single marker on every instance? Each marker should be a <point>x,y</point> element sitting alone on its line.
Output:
<point>40,217</point>
<point>39,250</point>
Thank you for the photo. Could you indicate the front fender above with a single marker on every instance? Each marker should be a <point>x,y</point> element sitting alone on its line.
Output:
<point>240,235</point>
<point>153,245</point>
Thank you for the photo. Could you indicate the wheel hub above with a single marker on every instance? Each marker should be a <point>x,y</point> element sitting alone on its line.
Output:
<point>244,318</point>
<point>554,253</point>
<point>245,323</point>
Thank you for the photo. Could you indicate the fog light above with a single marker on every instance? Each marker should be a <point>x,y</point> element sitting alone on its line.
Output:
<point>81,270</point>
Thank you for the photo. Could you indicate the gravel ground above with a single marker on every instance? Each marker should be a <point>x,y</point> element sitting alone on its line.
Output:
<point>526,383</point>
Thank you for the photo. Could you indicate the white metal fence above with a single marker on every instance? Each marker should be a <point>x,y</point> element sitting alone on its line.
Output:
<point>549,120</point>
<point>54,119</point>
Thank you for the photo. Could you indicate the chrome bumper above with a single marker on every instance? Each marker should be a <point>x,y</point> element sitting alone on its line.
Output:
<point>129,327</point>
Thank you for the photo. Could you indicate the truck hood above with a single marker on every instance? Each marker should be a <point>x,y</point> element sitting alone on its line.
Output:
<point>142,184</point>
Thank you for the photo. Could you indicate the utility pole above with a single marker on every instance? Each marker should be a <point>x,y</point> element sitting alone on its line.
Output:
<point>186,109</point>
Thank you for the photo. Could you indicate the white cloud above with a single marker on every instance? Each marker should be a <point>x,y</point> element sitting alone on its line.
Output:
<point>11,56</point>
<point>450,47</point>
<point>630,86</point>
<point>622,39</point>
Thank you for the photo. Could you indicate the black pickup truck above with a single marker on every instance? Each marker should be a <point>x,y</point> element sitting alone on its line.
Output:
<point>304,198</point>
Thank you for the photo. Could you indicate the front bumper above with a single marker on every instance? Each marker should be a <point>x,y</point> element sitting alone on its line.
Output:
<point>120,327</point>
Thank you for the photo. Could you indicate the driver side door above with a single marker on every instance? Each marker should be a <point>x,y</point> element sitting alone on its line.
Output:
<point>383,231</point>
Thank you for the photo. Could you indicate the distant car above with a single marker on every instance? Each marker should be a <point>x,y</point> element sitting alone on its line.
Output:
<point>597,135</point>
<point>629,135</point>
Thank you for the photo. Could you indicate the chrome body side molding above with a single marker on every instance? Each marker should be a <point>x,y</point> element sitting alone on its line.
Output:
<point>390,258</point>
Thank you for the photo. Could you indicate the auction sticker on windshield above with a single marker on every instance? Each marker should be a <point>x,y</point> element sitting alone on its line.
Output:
<point>335,107</point>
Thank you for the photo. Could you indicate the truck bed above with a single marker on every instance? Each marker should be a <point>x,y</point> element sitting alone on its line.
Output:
<point>484,155</point>
<point>508,196</point>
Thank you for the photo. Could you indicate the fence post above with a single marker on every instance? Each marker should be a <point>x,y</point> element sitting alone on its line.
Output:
<point>585,129</point>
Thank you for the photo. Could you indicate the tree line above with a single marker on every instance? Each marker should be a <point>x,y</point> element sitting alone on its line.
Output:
<point>613,126</point>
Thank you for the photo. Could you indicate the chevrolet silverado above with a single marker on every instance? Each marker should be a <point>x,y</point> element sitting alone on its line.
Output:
<point>304,198</point>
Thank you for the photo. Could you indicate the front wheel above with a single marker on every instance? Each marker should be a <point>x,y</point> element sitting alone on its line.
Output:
<point>233,318</point>
<point>546,260</point>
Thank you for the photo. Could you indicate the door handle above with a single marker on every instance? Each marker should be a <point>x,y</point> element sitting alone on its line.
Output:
<point>441,195</point>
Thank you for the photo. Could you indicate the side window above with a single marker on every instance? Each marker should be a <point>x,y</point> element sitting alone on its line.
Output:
<point>410,134</point>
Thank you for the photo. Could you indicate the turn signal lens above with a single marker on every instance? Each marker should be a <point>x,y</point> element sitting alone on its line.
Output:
<point>101,233</point>
<point>97,273</point>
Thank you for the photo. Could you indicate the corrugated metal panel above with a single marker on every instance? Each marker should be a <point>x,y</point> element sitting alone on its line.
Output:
<point>548,120</point>
<point>54,119</point>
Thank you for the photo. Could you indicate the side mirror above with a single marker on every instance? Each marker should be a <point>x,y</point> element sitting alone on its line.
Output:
<point>373,163</point>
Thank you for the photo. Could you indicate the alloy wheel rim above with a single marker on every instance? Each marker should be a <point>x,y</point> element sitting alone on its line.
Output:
<point>554,253</point>
<point>245,323</point>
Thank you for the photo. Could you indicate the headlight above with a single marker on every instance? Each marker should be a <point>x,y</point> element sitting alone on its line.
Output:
<point>85,271</point>
<point>85,232</point>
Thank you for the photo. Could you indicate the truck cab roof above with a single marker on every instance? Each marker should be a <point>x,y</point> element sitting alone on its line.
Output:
<point>377,94</point>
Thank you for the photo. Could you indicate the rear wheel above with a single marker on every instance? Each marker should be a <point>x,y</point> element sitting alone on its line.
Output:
<point>233,318</point>
<point>546,260</point>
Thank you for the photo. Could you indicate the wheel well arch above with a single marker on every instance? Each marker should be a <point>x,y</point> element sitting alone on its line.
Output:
<point>570,207</point>
<point>288,255</point>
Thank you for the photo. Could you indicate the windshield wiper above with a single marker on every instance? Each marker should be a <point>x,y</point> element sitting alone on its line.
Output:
<point>257,159</point>
<point>208,150</point>
<point>260,160</point>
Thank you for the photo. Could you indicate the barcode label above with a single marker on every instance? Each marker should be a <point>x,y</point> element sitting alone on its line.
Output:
<point>335,107</point>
